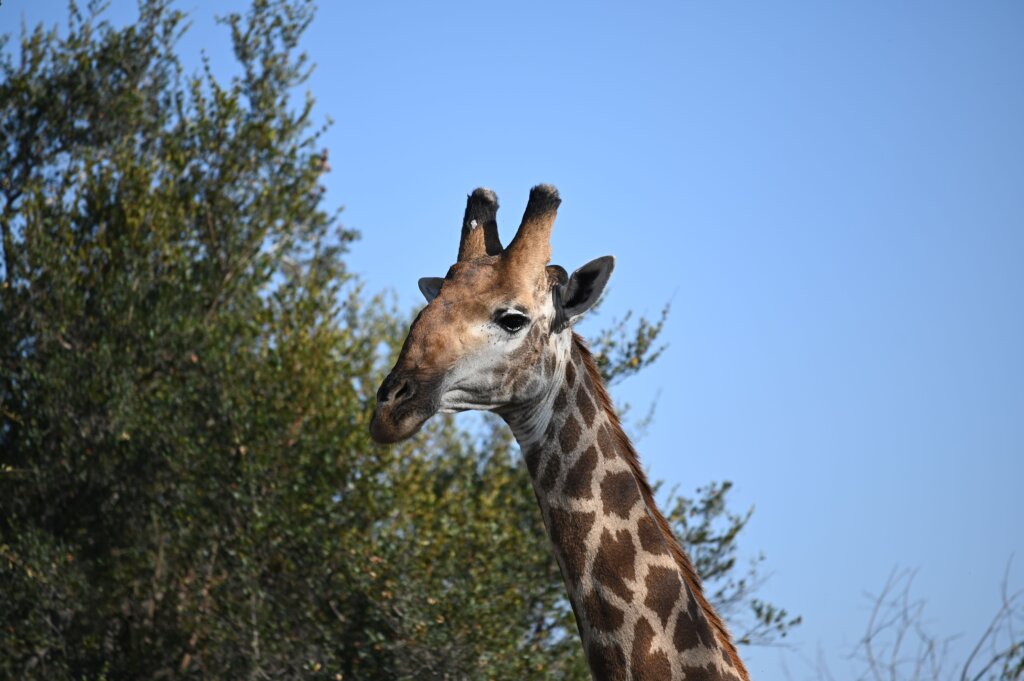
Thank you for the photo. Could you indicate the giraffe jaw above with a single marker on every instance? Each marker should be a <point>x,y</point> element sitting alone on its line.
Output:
<point>456,401</point>
<point>393,423</point>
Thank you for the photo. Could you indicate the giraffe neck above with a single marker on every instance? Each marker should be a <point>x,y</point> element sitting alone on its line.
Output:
<point>638,602</point>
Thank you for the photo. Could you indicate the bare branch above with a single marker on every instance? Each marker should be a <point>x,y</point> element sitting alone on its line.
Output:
<point>896,646</point>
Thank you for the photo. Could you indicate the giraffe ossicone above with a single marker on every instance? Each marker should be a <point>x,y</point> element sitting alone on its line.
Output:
<point>496,335</point>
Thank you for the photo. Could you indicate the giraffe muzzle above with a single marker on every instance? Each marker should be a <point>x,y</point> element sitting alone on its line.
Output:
<point>404,403</point>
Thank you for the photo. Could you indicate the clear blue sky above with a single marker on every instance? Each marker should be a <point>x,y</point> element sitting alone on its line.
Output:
<point>832,197</point>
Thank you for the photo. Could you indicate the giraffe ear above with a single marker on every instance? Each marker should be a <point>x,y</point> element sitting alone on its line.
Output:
<point>430,287</point>
<point>583,289</point>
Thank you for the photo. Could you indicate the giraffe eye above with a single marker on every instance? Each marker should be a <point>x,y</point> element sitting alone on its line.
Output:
<point>512,321</point>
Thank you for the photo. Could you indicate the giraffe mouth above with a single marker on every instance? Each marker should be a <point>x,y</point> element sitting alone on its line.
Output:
<point>404,403</point>
<point>386,430</point>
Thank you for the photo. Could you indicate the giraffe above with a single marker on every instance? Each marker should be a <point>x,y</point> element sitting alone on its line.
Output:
<point>496,335</point>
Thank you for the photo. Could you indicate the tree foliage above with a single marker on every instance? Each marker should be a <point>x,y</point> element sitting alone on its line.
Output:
<point>187,486</point>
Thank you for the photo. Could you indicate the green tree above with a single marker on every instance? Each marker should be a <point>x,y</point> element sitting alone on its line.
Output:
<point>187,486</point>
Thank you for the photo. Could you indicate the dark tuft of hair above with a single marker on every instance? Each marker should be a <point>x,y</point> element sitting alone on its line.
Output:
<point>481,205</point>
<point>543,199</point>
<point>484,195</point>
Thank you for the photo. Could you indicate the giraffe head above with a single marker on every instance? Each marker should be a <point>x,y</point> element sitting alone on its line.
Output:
<point>487,337</point>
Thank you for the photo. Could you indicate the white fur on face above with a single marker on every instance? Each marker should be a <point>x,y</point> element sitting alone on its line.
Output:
<point>475,382</point>
<point>482,380</point>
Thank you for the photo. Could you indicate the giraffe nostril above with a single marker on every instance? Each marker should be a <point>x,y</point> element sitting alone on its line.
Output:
<point>396,391</point>
<point>405,391</point>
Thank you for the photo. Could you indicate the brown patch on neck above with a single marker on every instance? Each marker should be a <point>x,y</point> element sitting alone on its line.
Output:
<point>625,448</point>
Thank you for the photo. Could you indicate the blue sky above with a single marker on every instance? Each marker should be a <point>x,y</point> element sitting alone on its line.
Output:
<point>831,196</point>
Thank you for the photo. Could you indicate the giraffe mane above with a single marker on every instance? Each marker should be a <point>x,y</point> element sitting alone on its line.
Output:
<point>682,560</point>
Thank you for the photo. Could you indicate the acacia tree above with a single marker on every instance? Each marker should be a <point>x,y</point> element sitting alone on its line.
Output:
<point>187,486</point>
